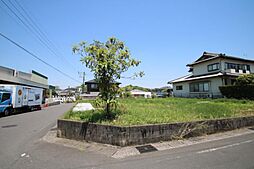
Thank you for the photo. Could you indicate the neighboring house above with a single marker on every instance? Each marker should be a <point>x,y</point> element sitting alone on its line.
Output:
<point>162,92</point>
<point>209,72</point>
<point>92,86</point>
<point>93,89</point>
<point>68,94</point>
<point>140,93</point>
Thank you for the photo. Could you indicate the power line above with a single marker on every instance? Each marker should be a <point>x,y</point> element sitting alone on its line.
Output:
<point>9,14</point>
<point>28,22</point>
<point>32,21</point>
<point>37,57</point>
<point>43,33</point>
<point>24,23</point>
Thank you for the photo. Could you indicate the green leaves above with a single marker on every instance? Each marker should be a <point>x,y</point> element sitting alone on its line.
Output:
<point>107,61</point>
<point>243,80</point>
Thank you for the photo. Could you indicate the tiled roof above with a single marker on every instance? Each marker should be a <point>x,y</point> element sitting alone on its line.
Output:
<point>191,77</point>
<point>210,56</point>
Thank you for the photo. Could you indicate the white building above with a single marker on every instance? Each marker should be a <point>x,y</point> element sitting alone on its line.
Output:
<point>140,93</point>
<point>33,79</point>
<point>209,72</point>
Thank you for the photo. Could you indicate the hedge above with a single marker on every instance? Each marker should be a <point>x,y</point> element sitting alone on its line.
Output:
<point>238,92</point>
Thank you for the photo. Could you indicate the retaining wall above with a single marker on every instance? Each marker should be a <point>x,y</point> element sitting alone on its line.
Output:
<point>134,135</point>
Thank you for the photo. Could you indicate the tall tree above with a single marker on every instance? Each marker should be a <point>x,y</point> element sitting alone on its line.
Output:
<point>107,61</point>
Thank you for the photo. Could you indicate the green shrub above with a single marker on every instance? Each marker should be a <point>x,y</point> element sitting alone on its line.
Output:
<point>245,80</point>
<point>238,91</point>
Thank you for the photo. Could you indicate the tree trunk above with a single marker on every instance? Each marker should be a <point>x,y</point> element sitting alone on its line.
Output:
<point>108,110</point>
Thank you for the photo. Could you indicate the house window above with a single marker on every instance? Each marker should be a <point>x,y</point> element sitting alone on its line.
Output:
<point>94,86</point>
<point>230,66</point>
<point>213,67</point>
<point>179,87</point>
<point>206,87</point>
<point>248,67</point>
<point>237,67</point>
<point>199,87</point>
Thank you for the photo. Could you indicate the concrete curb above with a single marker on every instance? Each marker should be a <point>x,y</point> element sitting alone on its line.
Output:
<point>137,135</point>
<point>123,152</point>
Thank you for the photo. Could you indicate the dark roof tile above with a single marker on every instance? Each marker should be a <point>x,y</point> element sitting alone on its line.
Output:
<point>210,56</point>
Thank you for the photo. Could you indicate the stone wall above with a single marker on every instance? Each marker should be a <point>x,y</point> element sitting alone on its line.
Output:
<point>134,135</point>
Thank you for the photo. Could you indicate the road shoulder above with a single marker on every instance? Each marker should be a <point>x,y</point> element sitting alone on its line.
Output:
<point>123,152</point>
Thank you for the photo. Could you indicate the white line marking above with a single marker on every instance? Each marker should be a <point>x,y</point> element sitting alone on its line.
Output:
<point>224,147</point>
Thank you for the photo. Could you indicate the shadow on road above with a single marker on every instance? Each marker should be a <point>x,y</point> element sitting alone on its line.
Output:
<point>19,112</point>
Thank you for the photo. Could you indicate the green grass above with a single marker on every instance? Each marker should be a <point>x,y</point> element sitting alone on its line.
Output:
<point>153,111</point>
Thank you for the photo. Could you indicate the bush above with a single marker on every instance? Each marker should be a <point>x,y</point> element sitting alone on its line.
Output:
<point>245,80</point>
<point>238,91</point>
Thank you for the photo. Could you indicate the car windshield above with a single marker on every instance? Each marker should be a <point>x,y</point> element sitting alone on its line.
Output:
<point>0,97</point>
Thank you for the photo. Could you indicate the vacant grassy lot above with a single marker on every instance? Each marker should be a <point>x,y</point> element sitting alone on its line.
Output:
<point>151,111</point>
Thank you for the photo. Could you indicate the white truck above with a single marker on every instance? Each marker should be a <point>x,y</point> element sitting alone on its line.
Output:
<point>15,98</point>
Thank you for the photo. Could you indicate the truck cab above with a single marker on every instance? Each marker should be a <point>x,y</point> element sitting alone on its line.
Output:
<point>5,102</point>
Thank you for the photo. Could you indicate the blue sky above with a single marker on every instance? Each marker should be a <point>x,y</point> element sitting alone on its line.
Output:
<point>164,35</point>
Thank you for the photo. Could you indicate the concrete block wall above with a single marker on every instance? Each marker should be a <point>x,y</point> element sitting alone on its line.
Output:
<point>134,135</point>
<point>71,129</point>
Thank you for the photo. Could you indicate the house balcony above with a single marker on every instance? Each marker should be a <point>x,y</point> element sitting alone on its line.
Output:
<point>237,71</point>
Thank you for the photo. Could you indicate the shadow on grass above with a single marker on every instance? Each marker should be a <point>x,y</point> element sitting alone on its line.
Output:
<point>103,116</point>
<point>98,116</point>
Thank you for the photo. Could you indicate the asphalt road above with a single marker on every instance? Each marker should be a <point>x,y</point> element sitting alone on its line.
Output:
<point>232,153</point>
<point>21,147</point>
<point>20,132</point>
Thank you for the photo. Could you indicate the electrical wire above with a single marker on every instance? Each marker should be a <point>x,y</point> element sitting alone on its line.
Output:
<point>37,57</point>
<point>43,33</point>
<point>30,24</point>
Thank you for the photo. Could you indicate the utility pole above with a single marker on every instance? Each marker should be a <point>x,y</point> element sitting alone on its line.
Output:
<point>83,85</point>
<point>68,98</point>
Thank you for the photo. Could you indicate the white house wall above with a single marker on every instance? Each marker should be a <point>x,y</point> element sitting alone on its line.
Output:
<point>252,68</point>
<point>181,93</point>
<point>201,68</point>
<point>215,83</point>
<point>214,91</point>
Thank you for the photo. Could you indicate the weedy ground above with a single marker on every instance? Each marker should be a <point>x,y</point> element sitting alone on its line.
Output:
<point>140,111</point>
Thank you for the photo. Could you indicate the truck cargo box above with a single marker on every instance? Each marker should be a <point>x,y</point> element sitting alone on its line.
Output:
<point>23,96</point>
